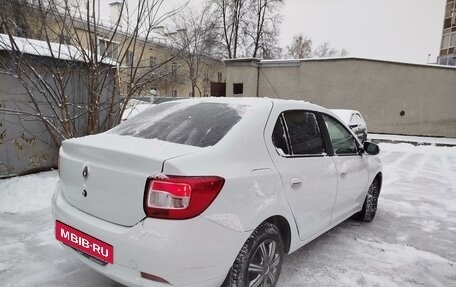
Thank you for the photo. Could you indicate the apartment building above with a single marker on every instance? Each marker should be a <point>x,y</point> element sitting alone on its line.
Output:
<point>155,59</point>
<point>448,45</point>
<point>149,60</point>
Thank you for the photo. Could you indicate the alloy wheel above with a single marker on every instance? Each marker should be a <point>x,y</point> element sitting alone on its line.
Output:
<point>263,267</point>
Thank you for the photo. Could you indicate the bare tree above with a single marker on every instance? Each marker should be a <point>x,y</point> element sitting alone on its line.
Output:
<point>343,52</point>
<point>231,14</point>
<point>22,18</point>
<point>263,31</point>
<point>300,48</point>
<point>194,40</point>
<point>325,51</point>
<point>248,27</point>
<point>104,63</point>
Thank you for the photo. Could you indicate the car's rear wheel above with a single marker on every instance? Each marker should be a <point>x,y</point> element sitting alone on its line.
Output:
<point>370,203</point>
<point>260,260</point>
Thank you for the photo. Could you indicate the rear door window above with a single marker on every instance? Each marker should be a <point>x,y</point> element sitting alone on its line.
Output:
<point>279,138</point>
<point>184,122</point>
<point>301,129</point>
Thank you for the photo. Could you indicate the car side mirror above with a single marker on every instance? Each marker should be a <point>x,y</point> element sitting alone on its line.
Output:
<point>371,148</point>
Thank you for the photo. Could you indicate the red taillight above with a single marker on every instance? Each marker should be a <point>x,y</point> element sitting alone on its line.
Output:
<point>180,197</point>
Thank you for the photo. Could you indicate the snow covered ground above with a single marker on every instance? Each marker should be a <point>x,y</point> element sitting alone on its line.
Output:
<point>411,242</point>
<point>413,139</point>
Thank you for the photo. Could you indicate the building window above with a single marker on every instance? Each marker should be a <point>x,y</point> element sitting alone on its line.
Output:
<point>108,49</point>
<point>447,23</point>
<point>219,77</point>
<point>238,88</point>
<point>443,60</point>
<point>447,60</point>
<point>448,10</point>
<point>174,68</point>
<point>445,41</point>
<point>129,58</point>
<point>453,39</point>
<point>65,39</point>
<point>153,62</point>
<point>448,41</point>
<point>174,93</point>
<point>452,61</point>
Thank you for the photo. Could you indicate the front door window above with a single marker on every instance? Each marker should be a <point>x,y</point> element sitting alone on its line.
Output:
<point>342,140</point>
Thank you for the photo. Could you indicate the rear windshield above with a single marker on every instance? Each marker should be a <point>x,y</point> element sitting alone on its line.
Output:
<point>201,124</point>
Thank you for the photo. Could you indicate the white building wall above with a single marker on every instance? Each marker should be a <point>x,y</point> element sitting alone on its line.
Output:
<point>380,90</point>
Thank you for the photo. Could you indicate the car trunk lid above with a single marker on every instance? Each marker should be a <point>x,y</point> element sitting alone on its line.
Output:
<point>105,175</point>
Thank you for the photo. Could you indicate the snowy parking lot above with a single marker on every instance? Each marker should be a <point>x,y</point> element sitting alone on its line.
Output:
<point>411,242</point>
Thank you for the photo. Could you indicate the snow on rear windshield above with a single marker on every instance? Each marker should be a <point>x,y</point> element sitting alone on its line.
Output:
<point>202,124</point>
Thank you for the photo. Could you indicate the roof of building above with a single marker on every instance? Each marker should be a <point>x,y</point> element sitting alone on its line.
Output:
<point>296,62</point>
<point>47,49</point>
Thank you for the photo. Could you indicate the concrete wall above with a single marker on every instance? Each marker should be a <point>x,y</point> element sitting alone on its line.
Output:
<point>380,90</point>
<point>25,143</point>
<point>240,71</point>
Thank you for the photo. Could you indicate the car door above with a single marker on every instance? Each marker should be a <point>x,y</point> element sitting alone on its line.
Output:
<point>352,169</point>
<point>308,174</point>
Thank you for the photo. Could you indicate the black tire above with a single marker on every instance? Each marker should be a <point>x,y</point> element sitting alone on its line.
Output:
<point>370,203</point>
<point>260,259</point>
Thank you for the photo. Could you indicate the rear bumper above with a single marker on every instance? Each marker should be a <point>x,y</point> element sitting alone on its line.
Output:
<point>195,252</point>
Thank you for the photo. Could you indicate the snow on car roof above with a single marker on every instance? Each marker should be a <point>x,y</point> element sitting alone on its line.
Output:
<point>255,101</point>
<point>240,103</point>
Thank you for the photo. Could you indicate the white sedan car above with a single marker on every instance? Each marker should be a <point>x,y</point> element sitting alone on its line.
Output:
<point>354,120</point>
<point>211,191</point>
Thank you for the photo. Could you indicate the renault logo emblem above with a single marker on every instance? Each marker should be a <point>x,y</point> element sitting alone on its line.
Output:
<point>85,172</point>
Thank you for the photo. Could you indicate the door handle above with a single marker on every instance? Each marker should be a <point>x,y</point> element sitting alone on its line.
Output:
<point>295,181</point>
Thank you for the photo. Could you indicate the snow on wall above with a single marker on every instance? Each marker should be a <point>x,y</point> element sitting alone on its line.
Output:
<point>47,49</point>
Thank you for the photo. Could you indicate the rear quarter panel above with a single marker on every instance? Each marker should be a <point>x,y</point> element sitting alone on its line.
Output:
<point>253,189</point>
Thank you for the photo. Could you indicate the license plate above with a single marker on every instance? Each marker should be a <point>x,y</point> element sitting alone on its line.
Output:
<point>84,242</point>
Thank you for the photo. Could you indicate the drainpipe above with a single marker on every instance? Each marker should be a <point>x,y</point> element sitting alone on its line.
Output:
<point>258,79</point>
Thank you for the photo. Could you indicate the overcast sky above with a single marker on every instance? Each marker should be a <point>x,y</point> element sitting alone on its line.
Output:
<point>398,30</point>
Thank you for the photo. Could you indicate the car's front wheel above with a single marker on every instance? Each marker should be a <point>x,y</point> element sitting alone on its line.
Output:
<point>370,203</point>
<point>260,260</point>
